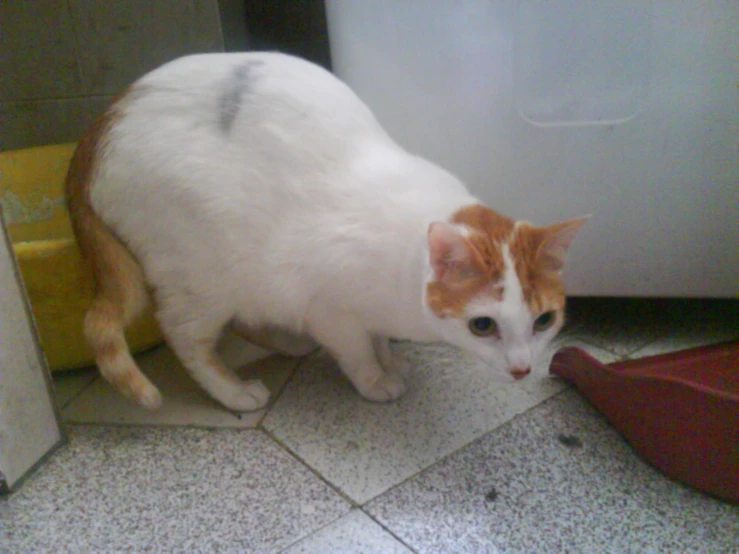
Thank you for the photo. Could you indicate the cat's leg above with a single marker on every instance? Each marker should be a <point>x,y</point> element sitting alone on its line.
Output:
<point>352,347</point>
<point>193,335</point>
<point>278,340</point>
<point>388,360</point>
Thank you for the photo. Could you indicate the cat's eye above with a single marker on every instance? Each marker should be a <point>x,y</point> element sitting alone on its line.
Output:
<point>544,321</point>
<point>483,326</point>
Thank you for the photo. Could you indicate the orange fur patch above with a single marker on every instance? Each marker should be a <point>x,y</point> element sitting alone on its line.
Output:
<point>542,287</point>
<point>447,301</point>
<point>117,275</point>
<point>489,231</point>
<point>120,292</point>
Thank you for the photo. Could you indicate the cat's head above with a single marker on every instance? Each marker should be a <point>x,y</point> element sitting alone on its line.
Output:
<point>495,286</point>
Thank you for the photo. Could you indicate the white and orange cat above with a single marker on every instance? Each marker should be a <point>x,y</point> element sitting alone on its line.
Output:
<point>256,191</point>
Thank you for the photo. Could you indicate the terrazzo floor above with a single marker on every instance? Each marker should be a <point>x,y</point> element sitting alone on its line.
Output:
<point>460,464</point>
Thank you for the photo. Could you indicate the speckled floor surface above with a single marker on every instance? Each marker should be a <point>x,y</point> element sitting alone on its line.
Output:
<point>458,465</point>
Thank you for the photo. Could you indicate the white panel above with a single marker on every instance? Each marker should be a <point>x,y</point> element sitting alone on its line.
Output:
<point>29,426</point>
<point>547,110</point>
<point>581,63</point>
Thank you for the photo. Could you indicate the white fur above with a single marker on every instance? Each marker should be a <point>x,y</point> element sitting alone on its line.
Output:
<point>301,214</point>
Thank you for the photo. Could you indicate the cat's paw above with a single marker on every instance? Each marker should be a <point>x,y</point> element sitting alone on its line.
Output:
<point>247,397</point>
<point>387,388</point>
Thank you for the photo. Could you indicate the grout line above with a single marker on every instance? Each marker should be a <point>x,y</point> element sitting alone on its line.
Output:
<point>648,343</point>
<point>467,445</point>
<point>588,341</point>
<point>417,473</point>
<point>76,395</point>
<point>353,509</point>
<point>289,546</point>
<point>353,505</point>
<point>273,402</point>
<point>389,531</point>
<point>257,425</point>
<point>315,472</point>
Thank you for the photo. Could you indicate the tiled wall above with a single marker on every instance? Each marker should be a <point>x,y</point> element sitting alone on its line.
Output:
<point>61,61</point>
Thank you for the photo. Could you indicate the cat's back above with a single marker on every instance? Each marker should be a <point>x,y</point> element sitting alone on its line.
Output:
<point>264,169</point>
<point>213,128</point>
<point>238,152</point>
<point>217,103</point>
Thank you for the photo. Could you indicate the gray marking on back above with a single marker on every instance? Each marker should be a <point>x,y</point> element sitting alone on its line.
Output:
<point>235,86</point>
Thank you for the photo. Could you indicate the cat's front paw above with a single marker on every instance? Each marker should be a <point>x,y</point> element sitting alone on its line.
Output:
<point>248,397</point>
<point>387,388</point>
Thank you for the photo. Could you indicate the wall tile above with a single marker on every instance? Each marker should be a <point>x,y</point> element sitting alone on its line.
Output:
<point>38,122</point>
<point>120,41</point>
<point>233,25</point>
<point>98,105</point>
<point>38,51</point>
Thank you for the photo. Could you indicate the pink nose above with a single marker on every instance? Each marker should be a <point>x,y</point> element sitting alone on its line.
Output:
<point>519,373</point>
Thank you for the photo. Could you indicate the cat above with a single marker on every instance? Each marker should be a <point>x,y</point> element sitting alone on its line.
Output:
<point>257,192</point>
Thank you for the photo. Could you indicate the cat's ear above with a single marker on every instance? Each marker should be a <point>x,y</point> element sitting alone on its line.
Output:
<point>556,240</point>
<point>450,254</point>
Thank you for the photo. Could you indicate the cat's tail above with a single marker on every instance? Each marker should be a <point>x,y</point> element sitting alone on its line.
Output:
<point>120,289</point>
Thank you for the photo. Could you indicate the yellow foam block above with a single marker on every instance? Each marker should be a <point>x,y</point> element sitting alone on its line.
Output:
<point>58,283</point>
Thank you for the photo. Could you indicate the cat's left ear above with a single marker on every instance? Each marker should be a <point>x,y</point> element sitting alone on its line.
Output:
<point>450,253</point>
<point>556,240</point>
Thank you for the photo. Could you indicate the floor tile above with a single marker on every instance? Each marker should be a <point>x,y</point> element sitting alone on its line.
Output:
<point>184,401</point>
<point>641,327</point>
<point>566,340</point>
<point>365,448</point>
<point>696,323</point>
<point>355,533</point>
<point>68,384</point>
<point>679,341</point>
<point>133,489</point>
<point>621,325</point>
<point>522,489</point>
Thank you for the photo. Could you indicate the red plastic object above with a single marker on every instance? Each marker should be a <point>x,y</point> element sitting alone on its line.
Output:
<point>680,411</point>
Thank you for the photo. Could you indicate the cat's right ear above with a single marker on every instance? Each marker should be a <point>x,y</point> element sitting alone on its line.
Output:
<point>450,253</point>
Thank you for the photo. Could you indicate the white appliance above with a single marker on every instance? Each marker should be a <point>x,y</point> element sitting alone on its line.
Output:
<point>624,109</point>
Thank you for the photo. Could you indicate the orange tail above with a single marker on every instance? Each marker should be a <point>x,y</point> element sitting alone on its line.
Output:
<point>120,294</point>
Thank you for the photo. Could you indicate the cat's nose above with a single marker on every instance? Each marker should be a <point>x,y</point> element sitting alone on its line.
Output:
<point>519,373</point>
